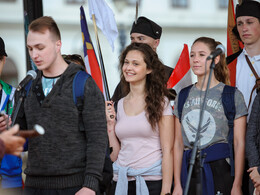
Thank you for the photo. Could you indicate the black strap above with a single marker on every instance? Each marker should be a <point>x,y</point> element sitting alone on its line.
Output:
<point>232,57</point>
<point>184,93</point>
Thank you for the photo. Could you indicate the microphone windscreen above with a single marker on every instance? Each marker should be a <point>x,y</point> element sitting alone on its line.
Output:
<point>32,73</point>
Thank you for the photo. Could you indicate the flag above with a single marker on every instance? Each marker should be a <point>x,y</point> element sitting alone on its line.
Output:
<point>105,19</point>
<point>181,75</point>
<point>233,44</point>
<point>90,58</point>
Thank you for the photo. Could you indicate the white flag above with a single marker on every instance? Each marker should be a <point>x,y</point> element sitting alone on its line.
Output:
<point>105,19</point>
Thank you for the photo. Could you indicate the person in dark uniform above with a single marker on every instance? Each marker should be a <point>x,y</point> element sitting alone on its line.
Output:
<point>146,31</point>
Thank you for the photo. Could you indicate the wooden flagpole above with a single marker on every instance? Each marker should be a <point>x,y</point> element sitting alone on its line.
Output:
<point>103,72</point>
<point>136,10</point>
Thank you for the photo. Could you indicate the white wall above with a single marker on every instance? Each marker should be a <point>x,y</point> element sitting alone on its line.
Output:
<point>180,25</point>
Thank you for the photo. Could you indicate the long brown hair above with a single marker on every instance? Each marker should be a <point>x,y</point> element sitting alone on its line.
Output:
<point>221,70</point>
<point>155,87</point>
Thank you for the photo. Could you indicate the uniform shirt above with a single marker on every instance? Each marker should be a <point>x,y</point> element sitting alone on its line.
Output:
<point>140,145</point>
<point>214,126</point>
<point>245,79</point>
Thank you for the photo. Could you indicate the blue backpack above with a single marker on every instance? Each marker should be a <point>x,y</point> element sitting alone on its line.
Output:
<point>228,101</point>
<point>78,96</point>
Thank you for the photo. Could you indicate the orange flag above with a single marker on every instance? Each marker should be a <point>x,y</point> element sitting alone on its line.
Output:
<point>233,44</point>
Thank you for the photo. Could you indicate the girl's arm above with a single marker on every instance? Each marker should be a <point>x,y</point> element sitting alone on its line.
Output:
<point>166,127</point>
<point>111,122</point>
<point>239,151</point>
<point>178,153</point>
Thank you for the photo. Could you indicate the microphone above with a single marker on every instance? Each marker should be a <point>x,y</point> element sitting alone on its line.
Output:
<point>31,75</point>
<point>220,49</point>
<point>36,131</point>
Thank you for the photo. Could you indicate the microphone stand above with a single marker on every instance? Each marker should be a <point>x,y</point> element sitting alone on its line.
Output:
<point>196,153</point>
<point>22,95</point>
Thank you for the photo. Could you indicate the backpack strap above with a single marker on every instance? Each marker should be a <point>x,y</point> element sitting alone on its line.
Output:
<point>78,94</point>
<point>28,87</point>
<point>183,95</point>
<point>228,101</point>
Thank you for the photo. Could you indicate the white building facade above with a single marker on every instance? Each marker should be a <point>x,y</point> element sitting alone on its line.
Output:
<point>182,21</point>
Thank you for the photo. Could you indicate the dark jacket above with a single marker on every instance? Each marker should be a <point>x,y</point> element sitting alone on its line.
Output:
<point>64,157</point>
<point>253,135</point>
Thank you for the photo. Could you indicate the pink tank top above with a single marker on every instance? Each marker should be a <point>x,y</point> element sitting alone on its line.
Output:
<point>140,145</point>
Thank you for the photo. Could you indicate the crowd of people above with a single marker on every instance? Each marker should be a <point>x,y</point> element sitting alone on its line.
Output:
<point>149,143</point>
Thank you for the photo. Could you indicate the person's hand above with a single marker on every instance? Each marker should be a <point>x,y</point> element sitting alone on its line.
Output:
<point>3,122</point>
<point>110,112</point>
<point>236,190</point>
<point>13,144</point>
<point>85,191</point>
<point>177,190</point>
<point>254,176</point>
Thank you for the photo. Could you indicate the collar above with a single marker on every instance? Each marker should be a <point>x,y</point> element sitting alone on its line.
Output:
<point>256,58</point>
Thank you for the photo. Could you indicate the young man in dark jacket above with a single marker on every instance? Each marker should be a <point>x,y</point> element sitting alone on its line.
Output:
<point>65,160</point>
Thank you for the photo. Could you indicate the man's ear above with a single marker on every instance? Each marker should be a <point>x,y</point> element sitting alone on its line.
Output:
<point>2,63</point>
<point>58,45</point>
<point>156,43</point>
<point>4,59</point>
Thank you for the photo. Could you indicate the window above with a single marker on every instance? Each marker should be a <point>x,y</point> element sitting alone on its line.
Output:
<point>223,4</point>
<point>132,2</point>
<point>127,2</point>
<point>179,3</point>
<point>76,1</point>
<point>7,1</point>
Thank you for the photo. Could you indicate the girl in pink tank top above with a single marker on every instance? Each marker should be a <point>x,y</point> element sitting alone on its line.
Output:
<point>141,133</point>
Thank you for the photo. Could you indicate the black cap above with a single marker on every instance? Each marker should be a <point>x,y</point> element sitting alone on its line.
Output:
<point>2,48</point>
<point>248,8</point>
<point>147,27</point>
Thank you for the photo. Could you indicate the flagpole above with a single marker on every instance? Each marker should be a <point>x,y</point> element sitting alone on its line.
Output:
<point>101,60</point>
<point>136,10</point>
